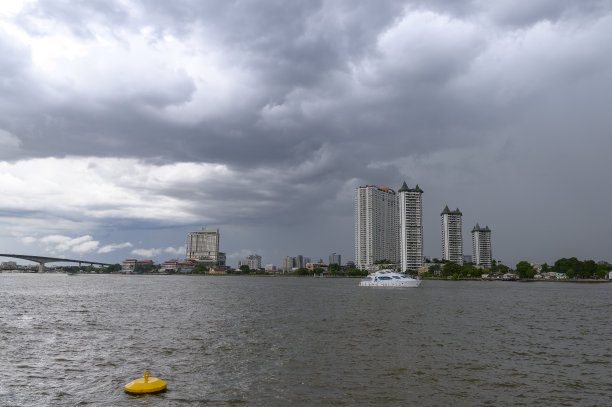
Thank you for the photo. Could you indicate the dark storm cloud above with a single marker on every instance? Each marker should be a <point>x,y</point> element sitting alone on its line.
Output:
<point>303,56</point>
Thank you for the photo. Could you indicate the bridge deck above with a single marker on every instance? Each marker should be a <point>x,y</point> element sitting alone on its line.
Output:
<point>44,259</point>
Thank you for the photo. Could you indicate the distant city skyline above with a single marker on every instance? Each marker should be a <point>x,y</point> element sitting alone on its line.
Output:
<point>124,126</point>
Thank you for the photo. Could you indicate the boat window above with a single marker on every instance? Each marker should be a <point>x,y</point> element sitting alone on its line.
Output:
<point>384,278</point>
<point>404,276</point>
<point>398,277</point>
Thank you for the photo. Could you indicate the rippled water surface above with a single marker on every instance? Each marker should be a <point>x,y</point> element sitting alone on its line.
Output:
<point>256,341</point>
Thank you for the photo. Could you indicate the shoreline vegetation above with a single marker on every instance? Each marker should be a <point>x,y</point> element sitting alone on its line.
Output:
<point>563,270</point>
<point>293,275</point>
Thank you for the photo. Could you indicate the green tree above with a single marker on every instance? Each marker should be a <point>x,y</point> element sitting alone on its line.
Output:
<point>356,273</point>
<point>525,270</point>
<point>434,268</point>
<point>317,270</point>
<point>451,268</point>
<point>113,268</point>
<point>334,269</point>
<point>245,269</point>
<point>589,269</point>
<point>199,269</point>
<point>563,265</point>
<point>470,270</point>
<point>602,269</point>
<point>302,271</point>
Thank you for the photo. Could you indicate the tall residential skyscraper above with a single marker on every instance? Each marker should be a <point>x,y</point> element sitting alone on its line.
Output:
<point>376,225</point>
<point>452,239</point>
<point>481,246</point>
<point>203,245</point>
<point>410,206</point>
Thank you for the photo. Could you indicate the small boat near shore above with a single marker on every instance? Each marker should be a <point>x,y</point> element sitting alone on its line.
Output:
<point>389,278</point>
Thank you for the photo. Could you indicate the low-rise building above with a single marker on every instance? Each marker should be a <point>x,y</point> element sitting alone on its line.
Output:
<point>178,266</point>
<point>312,266</point>
<point>131,265</point>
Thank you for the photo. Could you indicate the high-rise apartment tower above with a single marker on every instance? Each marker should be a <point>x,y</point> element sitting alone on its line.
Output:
<point>481,246</point>
<point>410,207</point>
<point>376,225</point>
<point>452,239</point>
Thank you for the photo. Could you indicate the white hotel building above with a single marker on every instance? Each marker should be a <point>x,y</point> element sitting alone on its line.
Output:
<point>203,246</point>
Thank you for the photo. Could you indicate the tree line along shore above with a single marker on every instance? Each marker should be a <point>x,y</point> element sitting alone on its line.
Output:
<point>567,269</point>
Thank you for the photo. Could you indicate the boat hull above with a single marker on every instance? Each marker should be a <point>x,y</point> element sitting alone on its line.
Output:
<point>411,283</point>
<point>389,278</point>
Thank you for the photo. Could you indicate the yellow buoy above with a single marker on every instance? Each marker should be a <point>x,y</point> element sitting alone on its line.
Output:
<point>145,384</point>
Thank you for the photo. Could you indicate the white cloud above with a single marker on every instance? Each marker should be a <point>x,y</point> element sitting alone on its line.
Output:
<point>176,251</point>
<point>158,252</point>
<point>54,239</point>
<point>147,252</point>
<point>28,240</point>
<point>107,188</point>
<point>113,247</point>
<point>61,243</point>
<point>85,247</point>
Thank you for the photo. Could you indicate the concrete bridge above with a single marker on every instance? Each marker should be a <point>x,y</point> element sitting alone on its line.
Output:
<point>41,260</point>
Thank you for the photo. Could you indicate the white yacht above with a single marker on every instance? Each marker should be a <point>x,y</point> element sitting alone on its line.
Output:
<point>389,278</point>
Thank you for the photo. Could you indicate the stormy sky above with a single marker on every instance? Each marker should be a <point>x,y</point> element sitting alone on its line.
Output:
<point>125,124</point>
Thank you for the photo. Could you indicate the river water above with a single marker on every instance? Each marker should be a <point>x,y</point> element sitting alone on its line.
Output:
<point>256,341</point>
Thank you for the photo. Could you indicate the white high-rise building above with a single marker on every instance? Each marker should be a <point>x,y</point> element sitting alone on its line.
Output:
<point>203,246</point>
<point>481,246</point>
<point>452,239</point>
<point>253,261</point>
<point>410,206</point>
<point>376,226</point>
